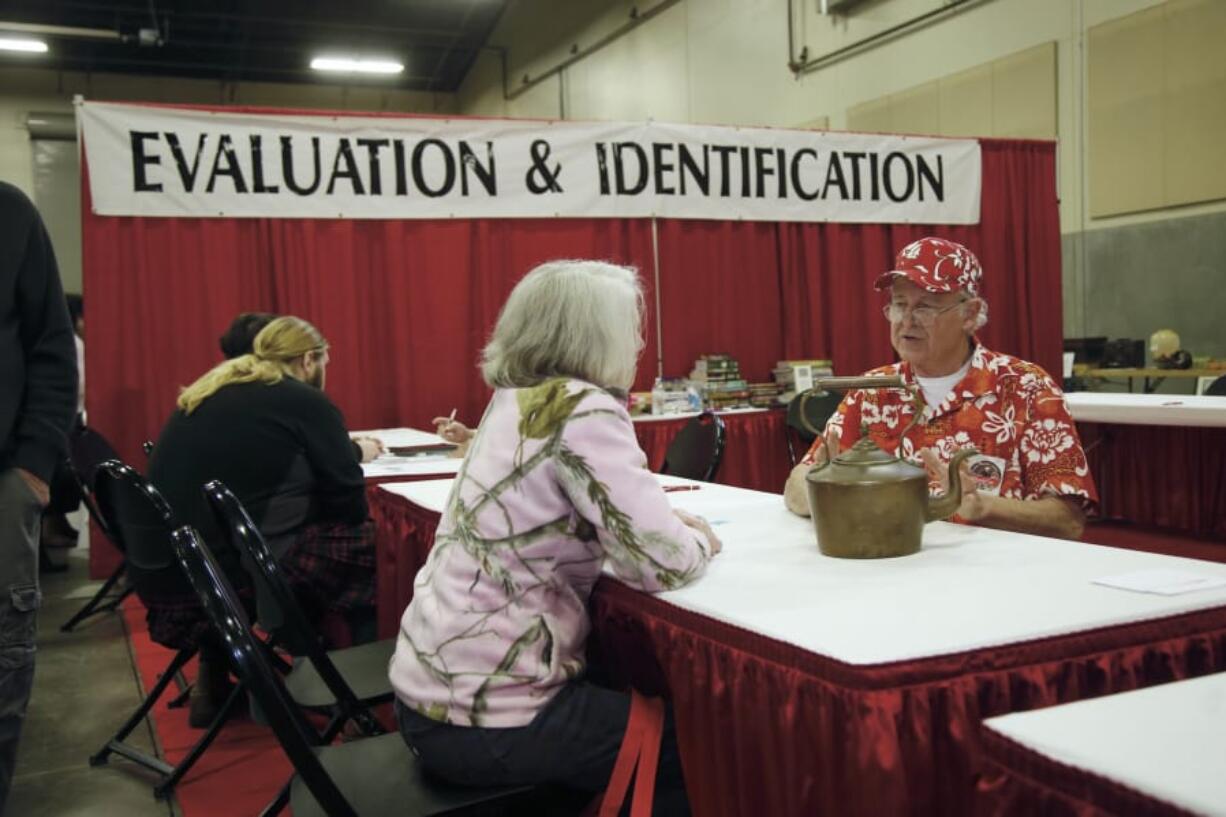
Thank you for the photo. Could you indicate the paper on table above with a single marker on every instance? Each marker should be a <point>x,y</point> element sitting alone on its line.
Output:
<point>1162,581</point>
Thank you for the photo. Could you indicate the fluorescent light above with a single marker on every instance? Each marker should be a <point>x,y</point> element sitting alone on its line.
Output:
<point>349,65</point>
<point>23,44</point>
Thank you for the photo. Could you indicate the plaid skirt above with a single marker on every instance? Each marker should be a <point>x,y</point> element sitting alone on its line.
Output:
<point>330,567</point>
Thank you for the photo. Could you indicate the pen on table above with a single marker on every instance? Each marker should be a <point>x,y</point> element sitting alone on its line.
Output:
<point>668,489</point>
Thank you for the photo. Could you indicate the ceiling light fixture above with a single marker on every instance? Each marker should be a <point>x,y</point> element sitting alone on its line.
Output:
<point>348,65</point>
<point>24,44</point>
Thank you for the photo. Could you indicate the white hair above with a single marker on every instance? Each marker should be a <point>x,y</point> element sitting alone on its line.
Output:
<point>580,319</point>
<point>981,317</point>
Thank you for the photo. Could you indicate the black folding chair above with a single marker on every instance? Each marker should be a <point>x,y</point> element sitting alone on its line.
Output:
<point>697,449</point>
<point>87,449</point>
<point>807,419</point>
<point>143,521</point>
<point>345,681</point>
<point>342,682</point>
<point>370,776</point>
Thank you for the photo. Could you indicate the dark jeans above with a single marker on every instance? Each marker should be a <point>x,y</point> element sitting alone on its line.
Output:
<point>19,599</point>
<point>572,743</point>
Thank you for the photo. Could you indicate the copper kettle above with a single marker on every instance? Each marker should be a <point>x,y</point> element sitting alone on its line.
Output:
<point>868,504</point>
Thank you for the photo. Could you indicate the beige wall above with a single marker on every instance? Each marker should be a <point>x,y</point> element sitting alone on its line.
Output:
<point>23,90</point>
<point>725,61</point>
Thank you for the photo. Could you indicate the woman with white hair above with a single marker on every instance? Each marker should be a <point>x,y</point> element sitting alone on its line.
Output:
<point>489,664</point>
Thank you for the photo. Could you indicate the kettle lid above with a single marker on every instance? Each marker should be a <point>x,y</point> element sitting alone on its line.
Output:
<point>865,452</point>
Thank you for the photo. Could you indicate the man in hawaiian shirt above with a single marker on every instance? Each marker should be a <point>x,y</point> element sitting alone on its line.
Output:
<point>1031,473</point>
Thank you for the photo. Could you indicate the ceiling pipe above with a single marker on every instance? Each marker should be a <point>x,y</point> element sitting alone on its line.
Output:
<point>800,64</point>
<point>637,18</point>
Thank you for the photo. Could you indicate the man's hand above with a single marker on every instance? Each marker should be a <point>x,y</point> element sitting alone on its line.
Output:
<point>700,524</point>
<point>371,447</point>
<point>452,430</point>
<point>1058,516</point>
<point>39,487</point>
<point>973,507</point>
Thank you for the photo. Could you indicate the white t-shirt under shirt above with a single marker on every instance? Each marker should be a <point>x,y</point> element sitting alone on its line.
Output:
<point>936,388</point>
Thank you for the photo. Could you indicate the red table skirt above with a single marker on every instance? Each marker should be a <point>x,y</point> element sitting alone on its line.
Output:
<point>404,534</point>
<point>1170,477</point>
<point>755,449</point>
<point>1019,780</point>
<point>768,728</point>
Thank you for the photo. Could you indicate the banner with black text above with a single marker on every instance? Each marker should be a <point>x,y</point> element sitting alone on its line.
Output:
<point>180,162</point>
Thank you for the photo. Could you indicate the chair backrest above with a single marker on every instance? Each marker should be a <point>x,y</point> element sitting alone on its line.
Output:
<point>817,409</point>
<point>143,521</point>
<point>252,666</point>
<point>87,449</point>
<point>697,449</point>
<point>807,419</point>
<point>279,610</point>
<point>1218,387</point>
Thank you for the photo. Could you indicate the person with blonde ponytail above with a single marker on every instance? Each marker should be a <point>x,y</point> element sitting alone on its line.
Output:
<point>262,424</point>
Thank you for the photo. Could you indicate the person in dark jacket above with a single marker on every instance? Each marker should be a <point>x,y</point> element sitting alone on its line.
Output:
<point>239,340</point>
<point>38,400</point>
<point>262,424</point>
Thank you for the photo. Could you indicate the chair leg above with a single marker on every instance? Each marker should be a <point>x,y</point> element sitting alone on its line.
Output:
<point>163,789</point>
<point>361,718</point>
<point>279,802</point>
<point>99,603</point>
<point>117,745</point>
<point>185,692</point>
<point>365,721</point>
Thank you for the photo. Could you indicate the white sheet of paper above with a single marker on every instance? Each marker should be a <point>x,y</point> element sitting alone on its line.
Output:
<point>802,376</point>
<point>393,466</point>
<point>1164,582</point>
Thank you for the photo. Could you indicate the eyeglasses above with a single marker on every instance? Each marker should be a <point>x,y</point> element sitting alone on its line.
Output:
<point>923,315</point>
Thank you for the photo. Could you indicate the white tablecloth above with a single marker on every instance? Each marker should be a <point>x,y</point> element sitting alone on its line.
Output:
<point>968,588</point>
<point>1147,409</point>
<point>1166,741</point>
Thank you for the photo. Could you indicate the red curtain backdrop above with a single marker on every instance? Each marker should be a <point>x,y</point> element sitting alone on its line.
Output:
<point>407,305</point>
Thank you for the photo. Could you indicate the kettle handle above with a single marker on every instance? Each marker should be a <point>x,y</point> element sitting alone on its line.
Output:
<point>844,383</point>
<point>823,384</point>
<point>825,450</point>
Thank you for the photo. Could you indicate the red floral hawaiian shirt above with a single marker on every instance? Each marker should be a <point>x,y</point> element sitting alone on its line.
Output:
<point>1008,409</point>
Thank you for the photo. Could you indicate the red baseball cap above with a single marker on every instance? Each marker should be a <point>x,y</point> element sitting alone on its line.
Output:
<point>937,265</point>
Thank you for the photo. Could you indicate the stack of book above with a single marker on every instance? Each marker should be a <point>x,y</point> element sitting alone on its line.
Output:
<point>718,379</point>
<point>763,395</point>
<point>794,376</point>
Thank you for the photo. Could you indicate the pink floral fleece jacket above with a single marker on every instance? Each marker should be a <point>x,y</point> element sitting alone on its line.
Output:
<point>554,485</point>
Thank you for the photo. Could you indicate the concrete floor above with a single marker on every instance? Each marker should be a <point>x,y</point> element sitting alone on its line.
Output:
<point>85,685</point>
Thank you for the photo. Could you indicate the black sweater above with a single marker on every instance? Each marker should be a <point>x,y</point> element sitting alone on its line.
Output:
<point>282,449</point>
<point>38,359</point>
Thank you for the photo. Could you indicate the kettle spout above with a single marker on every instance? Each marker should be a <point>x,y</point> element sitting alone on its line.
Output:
<point>940,507</point>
